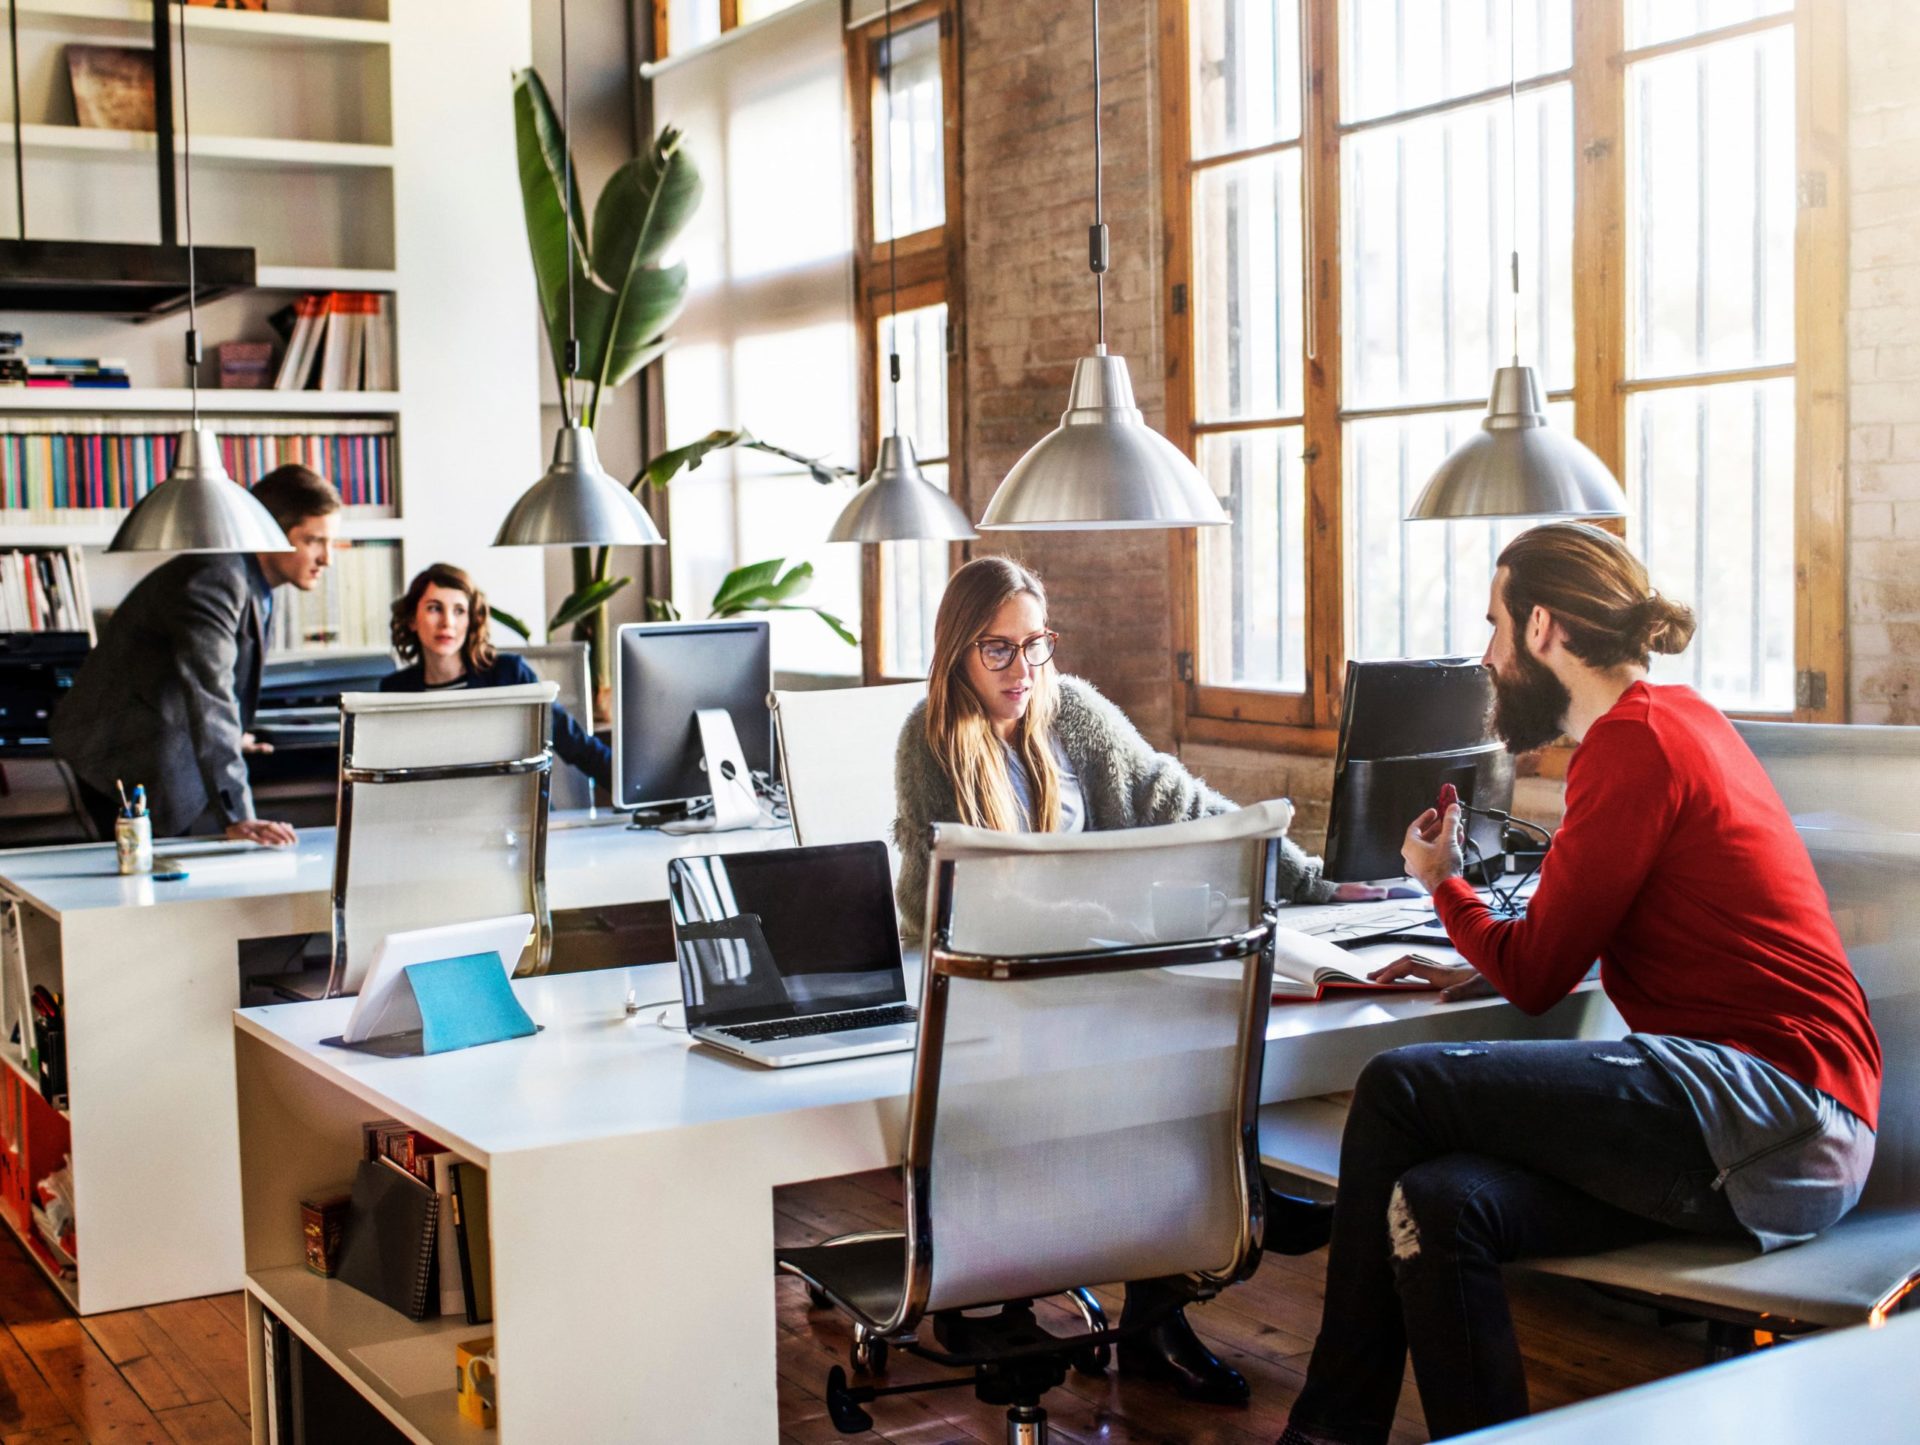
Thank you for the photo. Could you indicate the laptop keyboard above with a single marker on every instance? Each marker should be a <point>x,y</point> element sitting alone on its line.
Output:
<point>860,1018</point>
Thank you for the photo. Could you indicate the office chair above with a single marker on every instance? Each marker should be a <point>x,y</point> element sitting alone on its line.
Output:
<point>443,817</point>
<point>566,664</point>
<point>819,732</point>
<point>1083,1098</point>
<point>1854,793</point>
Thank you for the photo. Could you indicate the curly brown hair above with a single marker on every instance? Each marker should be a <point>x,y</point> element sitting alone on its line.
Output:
<point>477,651</point>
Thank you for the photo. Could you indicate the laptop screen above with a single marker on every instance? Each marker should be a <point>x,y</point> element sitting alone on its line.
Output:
<point>785,933</point>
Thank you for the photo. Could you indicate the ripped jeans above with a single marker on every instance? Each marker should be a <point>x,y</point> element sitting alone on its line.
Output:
<point>1457,1157</point>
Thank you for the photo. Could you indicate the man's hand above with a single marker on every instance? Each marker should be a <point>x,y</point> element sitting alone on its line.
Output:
<point>1432,849</point>
<point>251,744</point>
<point>262,830</point>
<point>1454,980</point>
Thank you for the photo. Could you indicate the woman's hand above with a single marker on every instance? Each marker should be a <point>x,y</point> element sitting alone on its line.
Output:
<point>1432,850</point>
<point>1454,980</point>
<point>1358,893</point>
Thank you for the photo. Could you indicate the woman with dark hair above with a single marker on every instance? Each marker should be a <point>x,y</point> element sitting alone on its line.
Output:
<point>1005,741</point>
<point>440,630</point>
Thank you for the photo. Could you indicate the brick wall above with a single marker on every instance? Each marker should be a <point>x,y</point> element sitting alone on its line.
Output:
<point>1883,334</point>
<point>1028,157</point>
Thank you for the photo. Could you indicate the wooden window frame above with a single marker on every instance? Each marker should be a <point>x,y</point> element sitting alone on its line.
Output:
<point>932,269</point>
<point>1308,721</point>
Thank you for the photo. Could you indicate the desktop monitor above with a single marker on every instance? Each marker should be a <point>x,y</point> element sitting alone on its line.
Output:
<point>665,673</point>
<point>1407,728</point>
<point>36,671</point>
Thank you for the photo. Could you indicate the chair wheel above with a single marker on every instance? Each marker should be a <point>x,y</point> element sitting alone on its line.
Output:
<point>868,1355</point>
<point>847,1416</point>
<point>817,1298</point>
<point>1092,1362</point>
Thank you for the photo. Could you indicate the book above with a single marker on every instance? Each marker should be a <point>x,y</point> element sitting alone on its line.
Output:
<point>453,1293</point>
<point>296,363</point>
<point>112,86</point>
<point>470,1232</point>
<point>392,1224</point>
<point>1306,969</point>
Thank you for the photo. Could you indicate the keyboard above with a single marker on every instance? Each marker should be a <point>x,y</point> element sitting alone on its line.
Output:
<point>860,1018</point>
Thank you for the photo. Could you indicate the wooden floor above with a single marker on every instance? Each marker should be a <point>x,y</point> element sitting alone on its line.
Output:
<point>176,1374</point>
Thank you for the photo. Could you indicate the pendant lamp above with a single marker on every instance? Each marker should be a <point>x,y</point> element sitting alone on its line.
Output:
<point>1103,466</point>
<point>575,503</point>
<point>198,508</point>
<point>897,503</point>
<point>1518,465</point>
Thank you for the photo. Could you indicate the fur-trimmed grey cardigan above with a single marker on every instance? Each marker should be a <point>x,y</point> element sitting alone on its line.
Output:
<point>1126,784</point>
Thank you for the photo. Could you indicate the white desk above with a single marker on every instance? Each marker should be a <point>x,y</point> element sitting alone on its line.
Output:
<point>1856,1385</point>
<point>629,1180</point>
<point>148,974</point>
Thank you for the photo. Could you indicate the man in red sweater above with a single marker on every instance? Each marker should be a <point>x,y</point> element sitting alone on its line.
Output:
<point>1744,1101</point>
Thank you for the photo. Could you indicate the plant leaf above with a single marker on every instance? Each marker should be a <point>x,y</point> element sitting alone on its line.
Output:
<point>827,617</point>
<point>615,340</point>
<point>661,610</point>
<point>645,206</point>
<point>665,467</point>
<point>585,600</point>
<point>541,146</point>
<point>825,473</point>
<point>513,624</point>
<point>745,587</point>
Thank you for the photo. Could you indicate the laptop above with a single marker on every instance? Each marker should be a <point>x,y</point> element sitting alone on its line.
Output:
<point>791,956</point>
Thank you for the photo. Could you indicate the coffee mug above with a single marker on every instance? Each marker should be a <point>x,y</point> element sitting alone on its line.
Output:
<point>1185,910</point>
<point>474,1384</point>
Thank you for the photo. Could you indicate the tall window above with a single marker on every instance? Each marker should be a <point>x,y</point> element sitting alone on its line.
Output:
<point>908,236</point>
<point>1346,180</point>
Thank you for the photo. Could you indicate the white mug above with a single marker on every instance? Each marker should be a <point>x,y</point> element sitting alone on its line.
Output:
<point>1185,910</point>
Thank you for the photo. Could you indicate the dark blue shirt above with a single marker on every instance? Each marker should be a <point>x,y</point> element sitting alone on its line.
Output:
<point>262,589</point>
<point>571,742</point>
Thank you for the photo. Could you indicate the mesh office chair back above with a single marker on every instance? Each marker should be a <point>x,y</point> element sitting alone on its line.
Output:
<point>1083,1102</point>
<point>443,817</point>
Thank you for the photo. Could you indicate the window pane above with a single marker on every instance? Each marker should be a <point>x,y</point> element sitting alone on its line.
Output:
<point>1710,475</point>
<point>1247,289</point>
<point>691,23</point>
<point>909,162</point>
<point>1712,146</point>
<point>1405,53</point>
<point>1651,21</point>
<point>752,10</point>
<point>1416,589</point>
<point>1253,600</point>
<point>921,336</point>
<point>1427,287</point>
<point>1245,73</point>
<point>913,576</point>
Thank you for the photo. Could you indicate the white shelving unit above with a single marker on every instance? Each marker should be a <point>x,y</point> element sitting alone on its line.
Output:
<point>263,27</point>
<point>220,149</point>
<point>175,401</point>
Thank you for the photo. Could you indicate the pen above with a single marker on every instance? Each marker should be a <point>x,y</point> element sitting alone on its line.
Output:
<point>139,800</point>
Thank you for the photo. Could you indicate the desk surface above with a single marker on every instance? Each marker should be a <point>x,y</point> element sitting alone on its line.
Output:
<point>594,1073</point>
<point>586,867</point>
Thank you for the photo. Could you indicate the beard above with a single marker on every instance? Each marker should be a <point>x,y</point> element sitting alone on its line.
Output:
<point>1530,704</point>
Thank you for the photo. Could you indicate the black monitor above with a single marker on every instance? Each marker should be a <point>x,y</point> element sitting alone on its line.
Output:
<point>1407,728</point>
<point>664,674</point>
<point>36,671</point>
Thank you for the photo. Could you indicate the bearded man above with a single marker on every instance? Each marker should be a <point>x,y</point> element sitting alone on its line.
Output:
<point>1743,1105</point>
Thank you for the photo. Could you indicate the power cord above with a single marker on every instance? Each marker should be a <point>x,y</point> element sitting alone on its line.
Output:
<point>1508,903</point>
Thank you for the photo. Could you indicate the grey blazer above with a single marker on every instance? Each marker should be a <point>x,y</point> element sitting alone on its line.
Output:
<point>1127,785</point>
<point>164,698</point>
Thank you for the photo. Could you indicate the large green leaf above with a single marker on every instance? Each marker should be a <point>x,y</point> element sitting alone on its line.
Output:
<point>668,465</point>
<point>759,584</point>
<point>542,146</point>
<point>512,623</point>
<point>839,627</point>
<point>586,600</point>
<point>644,207</point>
<point>619,336</point>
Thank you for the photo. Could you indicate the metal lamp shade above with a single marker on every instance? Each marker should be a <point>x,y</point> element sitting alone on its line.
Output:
<point>199,508</point>
<point>577,504</point>
<point>898,504</point>
<point>1102,467</point>
<point>1518,466</point>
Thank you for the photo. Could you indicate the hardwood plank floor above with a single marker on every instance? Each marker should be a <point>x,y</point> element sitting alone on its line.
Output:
<point>176,1374</point>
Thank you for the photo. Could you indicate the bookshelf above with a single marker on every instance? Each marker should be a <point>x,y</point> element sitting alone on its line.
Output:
<point>321,139</point>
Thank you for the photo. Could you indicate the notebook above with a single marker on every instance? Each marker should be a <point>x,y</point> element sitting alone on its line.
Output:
<point>470,1229</point>
<point>389,1249</point>
<point>1306,968</point>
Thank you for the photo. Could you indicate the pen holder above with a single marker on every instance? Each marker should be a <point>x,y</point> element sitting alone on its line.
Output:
<point>133,843</point>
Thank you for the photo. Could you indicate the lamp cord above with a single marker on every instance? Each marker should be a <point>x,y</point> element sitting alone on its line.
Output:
<point>1097,236</point>
<point>19,153</point>
<point>893,243</point>
<point>570,363</point>
<point>1513,164</point>
<point>186,196</point>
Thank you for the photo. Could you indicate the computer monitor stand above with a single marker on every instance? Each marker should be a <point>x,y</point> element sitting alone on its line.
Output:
<point>735,805</point>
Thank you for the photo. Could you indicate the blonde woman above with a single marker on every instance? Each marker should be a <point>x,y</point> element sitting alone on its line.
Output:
<point>1004,741</point>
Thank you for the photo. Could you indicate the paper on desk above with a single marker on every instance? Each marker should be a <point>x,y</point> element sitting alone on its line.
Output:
<point>410,1366</point>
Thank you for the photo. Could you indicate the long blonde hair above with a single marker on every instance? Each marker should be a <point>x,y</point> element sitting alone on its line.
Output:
<point>958,728</point>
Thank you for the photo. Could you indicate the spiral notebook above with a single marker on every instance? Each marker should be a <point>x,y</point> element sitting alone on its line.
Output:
<point>390,1242</point>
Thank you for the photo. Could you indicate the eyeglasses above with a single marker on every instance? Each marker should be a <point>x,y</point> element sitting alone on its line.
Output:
<point>997,653</point>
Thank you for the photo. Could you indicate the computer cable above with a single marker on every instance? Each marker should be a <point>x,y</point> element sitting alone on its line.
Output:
<point>1510,904</point>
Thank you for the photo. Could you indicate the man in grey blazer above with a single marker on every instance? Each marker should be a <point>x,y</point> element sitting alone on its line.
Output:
<point>166,698</point>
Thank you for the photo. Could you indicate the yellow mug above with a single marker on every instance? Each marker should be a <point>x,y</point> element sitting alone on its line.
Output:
<point>474,1381</point>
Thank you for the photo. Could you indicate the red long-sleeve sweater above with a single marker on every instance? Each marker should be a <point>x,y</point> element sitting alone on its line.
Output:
<point>1678,867</point>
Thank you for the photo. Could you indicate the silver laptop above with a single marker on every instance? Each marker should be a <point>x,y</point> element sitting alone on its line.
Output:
<point>791,956</point>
